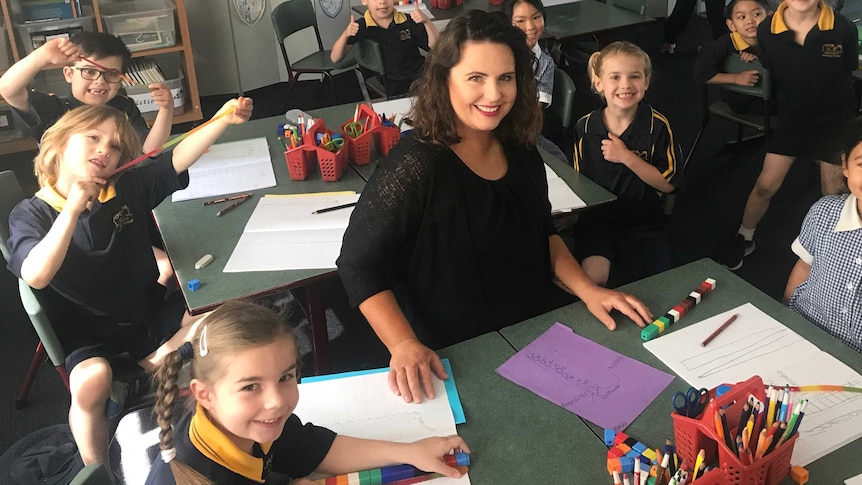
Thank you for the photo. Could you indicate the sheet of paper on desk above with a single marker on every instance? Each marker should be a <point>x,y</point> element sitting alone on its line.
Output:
<point>757,344</point>
<point>562,198</point>
<point>228,168</point>
<point>590,380</point>
<point>282,234</point>
<point>363,406</point>
<point>857,480</point>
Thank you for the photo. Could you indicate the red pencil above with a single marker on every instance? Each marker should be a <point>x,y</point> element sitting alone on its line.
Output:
<point>719,330</point>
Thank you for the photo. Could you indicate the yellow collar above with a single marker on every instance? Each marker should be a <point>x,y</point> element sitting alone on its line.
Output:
<point>825,22</point>
<point>54,199</point>
<point>739,43</point>
<point>210,441</point>
<point>398,18</point>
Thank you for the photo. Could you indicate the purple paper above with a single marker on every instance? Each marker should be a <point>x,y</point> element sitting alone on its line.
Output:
<point>590,380</point>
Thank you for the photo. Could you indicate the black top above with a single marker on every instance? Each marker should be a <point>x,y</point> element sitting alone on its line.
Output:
<point>109,269</point>
<point>814,78</point>
<point>297,452</point>
<point>400,42</point>
<point>453,246</point>
<point>46,108</point>
<point>710,61</point>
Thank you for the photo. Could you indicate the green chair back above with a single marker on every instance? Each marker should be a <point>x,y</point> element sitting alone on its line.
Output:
<point>763,88</point>
<point>563,103</point>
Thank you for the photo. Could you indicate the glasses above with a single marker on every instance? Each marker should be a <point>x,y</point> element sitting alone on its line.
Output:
<point>91,74</point>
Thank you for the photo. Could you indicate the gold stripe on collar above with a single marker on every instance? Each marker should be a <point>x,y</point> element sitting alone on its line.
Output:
<point>398,18</point>
<point>739,43</point>
<point>210,441</point>
<point>826,21</point>
<point>58,202</point>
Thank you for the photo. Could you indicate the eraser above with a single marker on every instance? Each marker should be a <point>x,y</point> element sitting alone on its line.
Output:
<point>194,285</point>
<point>204,261</point>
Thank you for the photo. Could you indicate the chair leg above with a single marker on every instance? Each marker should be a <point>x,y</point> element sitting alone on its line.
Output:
<point>64,376</point>
<point>27,383</point>
<point>362,86</point>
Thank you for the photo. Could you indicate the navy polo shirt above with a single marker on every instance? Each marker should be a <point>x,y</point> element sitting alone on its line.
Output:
<point>400,42</point>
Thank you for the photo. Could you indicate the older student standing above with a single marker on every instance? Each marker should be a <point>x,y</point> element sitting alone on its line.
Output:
<point>810,52</point>
<point>825,286</point>
<point>400,36</point>
<point>453,236</point>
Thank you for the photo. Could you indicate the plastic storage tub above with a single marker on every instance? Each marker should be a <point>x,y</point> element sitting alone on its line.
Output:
<point>141,25</point>
<point>141,96</point>
<point>34,34</point>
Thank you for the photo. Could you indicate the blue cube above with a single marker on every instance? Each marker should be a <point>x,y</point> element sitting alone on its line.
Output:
<point>609,437</point>
<point>194,285</point>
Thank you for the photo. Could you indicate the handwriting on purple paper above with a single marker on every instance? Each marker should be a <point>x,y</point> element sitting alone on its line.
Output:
<point>590,380</point>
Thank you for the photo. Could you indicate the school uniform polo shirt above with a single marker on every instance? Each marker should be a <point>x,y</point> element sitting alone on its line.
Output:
<point>831,242</point>
<point>109,268</point>
<point>651,138</point>
<point>400,42</point>
<point>46,108</point>
<point>814,78</point>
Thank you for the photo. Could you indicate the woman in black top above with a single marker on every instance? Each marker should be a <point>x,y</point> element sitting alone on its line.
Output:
<point>452,236</point>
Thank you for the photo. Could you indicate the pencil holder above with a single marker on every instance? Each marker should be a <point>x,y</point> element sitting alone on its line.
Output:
<point>384,137</point>
<point>332,164</point>
<point>300,162</point>
<point>695,434</point>
<point>446,4</point>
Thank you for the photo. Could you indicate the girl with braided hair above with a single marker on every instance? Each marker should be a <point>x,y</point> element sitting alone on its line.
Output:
<point>244,386</point>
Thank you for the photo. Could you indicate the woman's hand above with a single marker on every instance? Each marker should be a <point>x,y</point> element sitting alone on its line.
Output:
<point>410,370</point>
<point>601,301</point>
<point>427,454</point>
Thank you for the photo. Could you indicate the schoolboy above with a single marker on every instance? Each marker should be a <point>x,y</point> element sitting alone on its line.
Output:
<point>743,17</point>
<point>400,36</point>
<point>810,51</point>
<point>90,84</point>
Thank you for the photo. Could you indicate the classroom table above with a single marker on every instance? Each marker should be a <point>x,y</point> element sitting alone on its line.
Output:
<point>190,230</point>
<point>660,293</point>
<point>515,435</point>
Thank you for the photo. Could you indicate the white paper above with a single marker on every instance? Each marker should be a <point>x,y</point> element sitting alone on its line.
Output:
<point>562,197</point>
<point>757,344</point>
<point>392,107</point>
<point>282,234</point>
<point>406,9</point>
<point>363,406</point>
<point>228,168</point>
<point>857,480</point>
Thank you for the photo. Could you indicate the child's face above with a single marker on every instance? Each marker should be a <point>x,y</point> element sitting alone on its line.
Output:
<point>623,81</point>
<point>96,91</point>
<point>382,11</point>
<point>91,153</point>
<point>256,394</point>
<point>745,18</point>
<point>482,86</point>
<point>527,18</point>
<point>852,168</point>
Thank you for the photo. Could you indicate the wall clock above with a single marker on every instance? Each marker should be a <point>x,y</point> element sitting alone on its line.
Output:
<point>250,11</point>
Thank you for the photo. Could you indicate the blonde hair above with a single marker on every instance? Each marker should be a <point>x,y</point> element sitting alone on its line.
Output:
<point>46,165</point>
<point>232,327</point>
<point>618,48</point>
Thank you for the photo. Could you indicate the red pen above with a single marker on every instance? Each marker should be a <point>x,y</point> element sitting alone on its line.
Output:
<point>719,330</point>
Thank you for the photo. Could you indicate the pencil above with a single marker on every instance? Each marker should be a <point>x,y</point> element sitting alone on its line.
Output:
<point>335,208</point>
<point>232,206</point>
<point>719,330</point>
<point>226,199</point>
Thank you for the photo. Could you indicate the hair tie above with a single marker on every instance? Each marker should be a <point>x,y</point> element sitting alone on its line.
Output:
<point>202,344</point>
<point>169,455</point>
<point>186,351</point>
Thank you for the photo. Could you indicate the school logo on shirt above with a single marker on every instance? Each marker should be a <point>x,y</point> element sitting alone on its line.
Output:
<point>123,217</point>
<point>405,35</point>
<point>643,154</point>
<point>832,51</point>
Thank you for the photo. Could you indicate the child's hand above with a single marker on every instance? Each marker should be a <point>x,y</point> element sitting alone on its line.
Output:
<point>242,108</point>
<point>82,192</point>
<point>428,454</point>
<point>352,27</point>
<point>161,95</point>
<point>58,53</point>
<point>748,78</point>
<point>747,56</point>
<point>417,15</point>
<point>614,150</point>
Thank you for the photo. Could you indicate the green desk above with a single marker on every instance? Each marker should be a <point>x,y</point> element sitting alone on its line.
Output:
<point>515,435</point>
<point>662,292</point>
<point>190,230</point>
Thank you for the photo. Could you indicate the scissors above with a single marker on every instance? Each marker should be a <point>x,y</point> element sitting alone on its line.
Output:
<point>692,403</point>
<point>354,129</point>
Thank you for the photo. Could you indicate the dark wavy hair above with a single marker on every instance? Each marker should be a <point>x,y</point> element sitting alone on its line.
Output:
<point>508,7</point>
<point>432,116</point>
<point>852,138</point>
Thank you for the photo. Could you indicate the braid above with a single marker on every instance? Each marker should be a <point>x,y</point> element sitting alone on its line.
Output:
<point>167,396</point>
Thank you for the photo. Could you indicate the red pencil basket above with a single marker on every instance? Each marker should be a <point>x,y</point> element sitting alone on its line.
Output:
<point>693,435</point>
<point>385,137</point>
<point>446,4</point>
<point>332,164</point>
<point>300,162</point>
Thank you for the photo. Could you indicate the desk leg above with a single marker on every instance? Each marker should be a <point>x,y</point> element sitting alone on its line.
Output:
<point>315,308</point>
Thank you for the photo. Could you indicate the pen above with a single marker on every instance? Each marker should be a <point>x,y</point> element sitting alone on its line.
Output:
<point>232,206</point>
<point>335,208</point>
<point>719,330</point>
<point>226,199</point>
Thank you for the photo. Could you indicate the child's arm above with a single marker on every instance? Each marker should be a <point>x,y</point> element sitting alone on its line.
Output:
<point>744,78</point>
<point>14,82</point>
<point>614,150</point>
<point>190,150</point>
<point>420,18</point>
<point>161,129</point>
<point>354,454</point>
<point>341,47</point>
<point>798,274</point>
<point>44,260</point>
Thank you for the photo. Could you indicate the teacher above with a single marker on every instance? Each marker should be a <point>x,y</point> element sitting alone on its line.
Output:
<point>452,236</point>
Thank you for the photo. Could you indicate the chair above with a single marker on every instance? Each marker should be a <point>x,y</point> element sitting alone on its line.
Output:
<point>291,17</point>
<point>49,344</point>
<point>95,474</point>
<point>762,123</point>
<point>563,103</point>
<point>369,55</point>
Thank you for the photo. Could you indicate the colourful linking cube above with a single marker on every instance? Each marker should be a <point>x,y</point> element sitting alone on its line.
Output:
<point>673,315</point>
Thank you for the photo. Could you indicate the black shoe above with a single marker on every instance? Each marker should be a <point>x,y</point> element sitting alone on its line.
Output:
<point>128,383</point>
<point>736,251</point>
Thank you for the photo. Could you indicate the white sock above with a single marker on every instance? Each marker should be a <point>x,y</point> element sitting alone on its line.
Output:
<point>747,234</point>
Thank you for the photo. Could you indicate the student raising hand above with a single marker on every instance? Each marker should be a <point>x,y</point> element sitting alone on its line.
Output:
<point>352,27</point>
<point>417,15</point>
<point>58,53</point>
